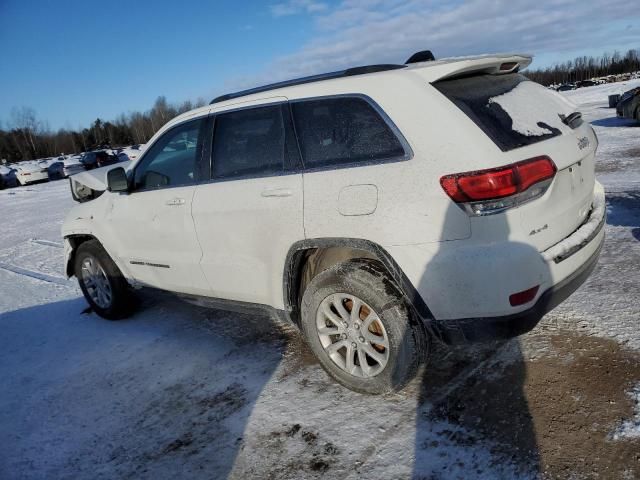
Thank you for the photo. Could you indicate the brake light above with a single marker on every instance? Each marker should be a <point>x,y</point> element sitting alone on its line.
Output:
<point>493,190</point>
<point>507,66</point>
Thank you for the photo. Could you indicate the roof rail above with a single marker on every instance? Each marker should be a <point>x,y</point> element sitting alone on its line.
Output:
<point>313,78</point>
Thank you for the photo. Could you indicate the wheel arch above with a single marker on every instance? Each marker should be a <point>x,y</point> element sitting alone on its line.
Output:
<point>297,260</point>
<point>75,240</point>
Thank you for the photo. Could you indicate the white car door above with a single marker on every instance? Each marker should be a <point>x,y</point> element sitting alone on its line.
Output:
<point>153,224</point>
<point>251,212</point>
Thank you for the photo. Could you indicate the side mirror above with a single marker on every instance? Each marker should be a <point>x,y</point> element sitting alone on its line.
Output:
<point>117,180</point>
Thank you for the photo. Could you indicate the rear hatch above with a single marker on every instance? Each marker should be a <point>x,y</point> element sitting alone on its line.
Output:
<point>525,120</point>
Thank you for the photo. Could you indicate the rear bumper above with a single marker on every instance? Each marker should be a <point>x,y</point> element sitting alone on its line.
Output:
<point>34,177</point>
<point>469,330</point>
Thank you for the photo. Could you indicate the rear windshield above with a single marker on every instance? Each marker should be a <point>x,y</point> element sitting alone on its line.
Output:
<point>510,109</point>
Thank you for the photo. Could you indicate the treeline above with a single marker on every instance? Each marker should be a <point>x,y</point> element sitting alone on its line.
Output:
<point>28,138</point>
<point>585,68</point>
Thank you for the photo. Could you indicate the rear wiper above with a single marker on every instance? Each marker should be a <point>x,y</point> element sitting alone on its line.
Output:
<point>573,120</point>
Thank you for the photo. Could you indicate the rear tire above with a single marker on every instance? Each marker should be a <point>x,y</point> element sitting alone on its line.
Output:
<point>103,285</point>
<point>376,349</point>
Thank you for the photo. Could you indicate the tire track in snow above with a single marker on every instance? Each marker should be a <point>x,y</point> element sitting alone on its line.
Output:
<point>46,243</point>
<point>37,275</point>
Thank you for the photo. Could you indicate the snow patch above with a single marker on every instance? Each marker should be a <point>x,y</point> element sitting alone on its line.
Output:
<point>630,428</point>
<point>534,109</point>
<point>599,93</point>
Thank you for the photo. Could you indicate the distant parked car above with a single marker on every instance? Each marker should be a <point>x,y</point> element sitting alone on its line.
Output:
<point>72,165</point>
<point>8,177</point>
<point>629,105</point>
<point>31,172</point>
<point>130,153</point>
<point>566,86</point>
<point>585,83</point>
<point>55,168</point>
<point>99,159</point>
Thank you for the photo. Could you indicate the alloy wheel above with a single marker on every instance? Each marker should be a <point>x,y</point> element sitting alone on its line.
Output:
<point>96,282</point>
<point>352,335</point>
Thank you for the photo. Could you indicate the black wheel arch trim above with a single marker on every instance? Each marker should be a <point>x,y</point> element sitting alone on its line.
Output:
<point>84,237</point>
<point>295,261</point>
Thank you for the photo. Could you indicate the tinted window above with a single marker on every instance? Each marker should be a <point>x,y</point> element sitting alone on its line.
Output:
<point>336,131</point>
<point>173,159</point>
<point>249,142</point>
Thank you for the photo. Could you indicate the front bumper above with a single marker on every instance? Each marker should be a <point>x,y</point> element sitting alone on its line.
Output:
<point>68,255</point>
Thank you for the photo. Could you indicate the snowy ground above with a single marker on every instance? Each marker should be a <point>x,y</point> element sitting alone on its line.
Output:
<point>179,390</point>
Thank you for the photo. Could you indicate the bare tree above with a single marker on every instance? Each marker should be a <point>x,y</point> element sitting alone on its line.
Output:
<point>25,122</point>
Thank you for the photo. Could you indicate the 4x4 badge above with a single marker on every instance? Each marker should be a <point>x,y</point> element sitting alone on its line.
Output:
<point>538,230</point>
<point>583,143</point>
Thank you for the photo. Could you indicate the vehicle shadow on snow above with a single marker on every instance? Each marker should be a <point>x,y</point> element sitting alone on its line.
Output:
<point>615,122</point>
<point>623,210</point>
<point>170,392</point>
<point>164,394</point>
<point>478,388</point>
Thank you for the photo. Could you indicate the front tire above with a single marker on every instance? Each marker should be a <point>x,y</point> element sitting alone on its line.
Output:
<point>359,327</point>
<point>103,285</point>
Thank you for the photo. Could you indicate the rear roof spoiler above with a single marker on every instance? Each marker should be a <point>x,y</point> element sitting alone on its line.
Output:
<point>494,64</point>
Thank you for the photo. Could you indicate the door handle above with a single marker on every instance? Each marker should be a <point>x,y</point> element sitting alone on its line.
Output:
<point>277,192</point>
<point>175,202</point>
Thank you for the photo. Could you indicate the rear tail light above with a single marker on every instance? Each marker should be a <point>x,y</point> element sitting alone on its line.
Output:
<point>485,192</point>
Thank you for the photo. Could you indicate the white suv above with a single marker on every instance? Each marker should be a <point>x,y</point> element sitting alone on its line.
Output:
<point>376,208</point>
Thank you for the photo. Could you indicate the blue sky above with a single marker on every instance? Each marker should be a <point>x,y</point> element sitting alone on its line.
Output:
<point>73,60</point>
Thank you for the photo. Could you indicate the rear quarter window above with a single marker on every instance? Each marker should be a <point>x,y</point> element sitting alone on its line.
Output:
<point>343,131</point>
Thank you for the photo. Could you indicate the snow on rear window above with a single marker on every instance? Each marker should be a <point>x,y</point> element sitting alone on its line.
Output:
<point>510,109</point>
<point>534,110</point>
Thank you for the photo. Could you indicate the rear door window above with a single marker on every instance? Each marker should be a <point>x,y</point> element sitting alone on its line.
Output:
<point>253,142</point>
<point>342,131</point>
<point>512,110</point>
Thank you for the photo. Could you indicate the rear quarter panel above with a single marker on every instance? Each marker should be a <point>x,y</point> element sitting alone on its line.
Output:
<point>411,207</point>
